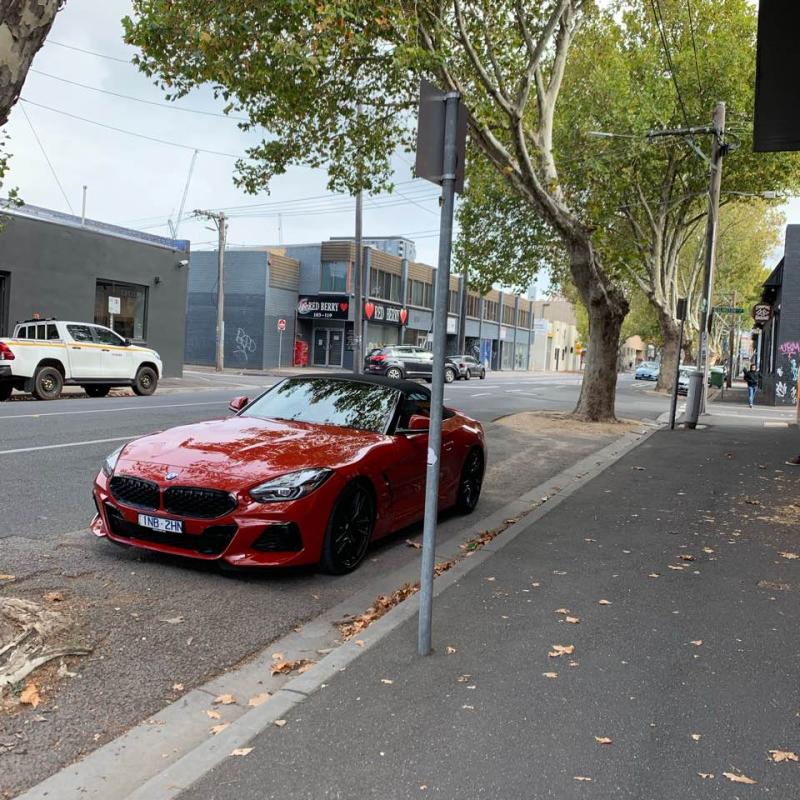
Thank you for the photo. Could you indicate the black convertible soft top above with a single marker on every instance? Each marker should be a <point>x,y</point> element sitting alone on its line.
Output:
<point>404,386</point>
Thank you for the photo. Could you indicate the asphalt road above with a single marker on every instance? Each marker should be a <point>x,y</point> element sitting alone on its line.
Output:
<point>121,601</point>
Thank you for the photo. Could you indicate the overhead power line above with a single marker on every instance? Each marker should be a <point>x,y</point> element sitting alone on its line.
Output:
<point>694,48</point>
<point>89,52</point>
<point>47,159</point>
<point>656,4</point>
<point>137,99</point>
<point>129,133</point>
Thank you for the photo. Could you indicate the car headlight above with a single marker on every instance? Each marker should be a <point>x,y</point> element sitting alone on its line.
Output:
<point>290,486</point>
<point>111,461</point>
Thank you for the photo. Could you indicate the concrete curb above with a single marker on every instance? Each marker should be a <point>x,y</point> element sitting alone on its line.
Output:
<point>164,755</point>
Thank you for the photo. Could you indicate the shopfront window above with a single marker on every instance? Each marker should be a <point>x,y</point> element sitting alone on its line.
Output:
<point>334,277</point>
<point>131,321</point>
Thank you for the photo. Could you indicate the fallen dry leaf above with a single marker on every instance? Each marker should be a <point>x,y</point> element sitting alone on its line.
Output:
<point>696,642</point>
<point>279,723</point>
<point>573,664</point>
<point>686,557</point>
<point>212,714</point>
<point>675,566</point>
<point>224,700</point>
<point>536,584</point>
<point>54,597</point>
<point>561,611</point>
<point>783,755</point>
<point>790,556</point>
<point>561,649</point>
<point>581,778</point>
<point>550,674</point>
<point>732,776</point>
<point>285,667</point>
<point>359,642</point>
<point>707,550</point>
<point>602,739</point>
<point>241,751</point>
<point>215,729</point>
<point>696,736</point>
<point>5,577</point>
<point>172,620</point>
<point>491,579</point>
<point>387,681</point>
<point>351,626</point>
<point>604,602</point>
<point>277,656</point>
<point>468,708</point>
<point>30,695</point>
<point>706,775</point>
<point>463,678</point>
<point>259,699</point>
<point>653,575</point>
<point>450,650</point>
<point>178,687</point>
<point>415,545</point>
<point>572,620</point>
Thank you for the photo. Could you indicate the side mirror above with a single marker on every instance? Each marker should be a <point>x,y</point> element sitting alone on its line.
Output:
<point>238,403</point>
<point>127,342</point>
<point>418,424</point>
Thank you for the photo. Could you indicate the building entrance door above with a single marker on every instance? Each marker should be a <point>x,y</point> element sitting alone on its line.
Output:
<point>328,347</point>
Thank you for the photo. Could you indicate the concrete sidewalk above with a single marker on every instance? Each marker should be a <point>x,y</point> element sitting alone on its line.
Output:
<point>673,575</point>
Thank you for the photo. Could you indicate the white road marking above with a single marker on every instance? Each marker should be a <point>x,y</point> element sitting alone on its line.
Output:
<point>481,394</point>
<point>111,410</point>
<point>66,444</point>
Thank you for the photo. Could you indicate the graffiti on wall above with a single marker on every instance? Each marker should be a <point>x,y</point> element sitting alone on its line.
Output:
<point>786,372</point>
<point>245,346</point>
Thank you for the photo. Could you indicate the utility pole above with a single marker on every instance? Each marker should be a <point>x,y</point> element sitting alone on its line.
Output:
<point>734,322</point>
<point>83,206</point>
<point>218,218</point>
<point>358,285</point>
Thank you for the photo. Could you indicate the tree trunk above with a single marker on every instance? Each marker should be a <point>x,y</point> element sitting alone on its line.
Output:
<point>669,352</point>
<point>688,348</point>
<point>24,25</point>
<point>607,307</point>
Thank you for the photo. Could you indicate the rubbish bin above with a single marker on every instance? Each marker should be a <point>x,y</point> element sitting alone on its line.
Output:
<point>716,377</point>
<point>694,398</point>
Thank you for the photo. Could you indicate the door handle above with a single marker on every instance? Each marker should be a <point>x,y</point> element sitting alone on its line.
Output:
<point>75,347</point>
<point>105,349</point>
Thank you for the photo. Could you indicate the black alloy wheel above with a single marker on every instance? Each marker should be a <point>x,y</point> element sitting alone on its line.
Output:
<point>47,383</point>
<point>5,391</point>
<point>469,489</point>
<point>145,382</point>
<point>349,530</point>
<point>395,373</point>
<point>97,390</point>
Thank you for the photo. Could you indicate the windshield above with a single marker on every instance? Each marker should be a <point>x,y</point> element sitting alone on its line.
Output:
<point>328,401</point>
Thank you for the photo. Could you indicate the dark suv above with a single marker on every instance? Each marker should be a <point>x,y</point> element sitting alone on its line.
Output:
<point>405,361</point>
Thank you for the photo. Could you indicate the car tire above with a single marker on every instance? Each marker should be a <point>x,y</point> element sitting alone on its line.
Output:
<point>96,390</point>
<point>449,375</point>
<point>5,391</point>
<point>395,373</point>
<point>467,376</point>
<point>470,482</point>
<point>483,374</point>
<point>145,382</point>
<point>47,383</point>
<point>349,531</point>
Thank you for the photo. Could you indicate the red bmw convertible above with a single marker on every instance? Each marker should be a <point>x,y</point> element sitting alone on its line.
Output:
<point>310,472</point>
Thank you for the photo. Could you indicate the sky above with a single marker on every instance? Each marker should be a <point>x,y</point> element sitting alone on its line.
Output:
<point>139,183</point>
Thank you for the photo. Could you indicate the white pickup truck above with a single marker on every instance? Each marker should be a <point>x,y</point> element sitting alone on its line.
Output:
<point>43,356</point>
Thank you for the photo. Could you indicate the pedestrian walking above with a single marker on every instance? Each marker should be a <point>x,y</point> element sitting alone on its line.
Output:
<point>751,379</point>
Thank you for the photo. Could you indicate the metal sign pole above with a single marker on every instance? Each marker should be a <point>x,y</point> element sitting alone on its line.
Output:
<point>280,346</point>
<point>674,403</point>
<point>449,165</point>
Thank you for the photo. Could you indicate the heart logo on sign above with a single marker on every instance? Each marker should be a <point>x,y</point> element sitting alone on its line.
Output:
<point>403,316</point>
<point>343,307</point>
<point>369,310</point>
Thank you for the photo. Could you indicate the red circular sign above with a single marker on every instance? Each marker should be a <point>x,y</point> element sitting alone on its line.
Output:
<point>281,324</point>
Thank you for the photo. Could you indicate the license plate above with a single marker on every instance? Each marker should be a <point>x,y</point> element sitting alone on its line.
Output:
<point>161,524</point>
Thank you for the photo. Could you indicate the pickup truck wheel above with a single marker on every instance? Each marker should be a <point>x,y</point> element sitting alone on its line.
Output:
<point>47,383</point>
<point>96,390</point>
<point>145,382</point>
<point>5,391</point>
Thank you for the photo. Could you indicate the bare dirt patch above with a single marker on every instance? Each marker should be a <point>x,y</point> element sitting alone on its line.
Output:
<point>549,422</point>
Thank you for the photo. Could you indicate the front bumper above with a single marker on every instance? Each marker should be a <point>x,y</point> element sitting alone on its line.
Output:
<point>252,535</point>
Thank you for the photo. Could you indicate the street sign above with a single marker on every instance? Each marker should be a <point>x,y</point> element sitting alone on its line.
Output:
<point>729,310</point>
<point>114,305</point>
<point>762,312</point>
<point>281,325</point>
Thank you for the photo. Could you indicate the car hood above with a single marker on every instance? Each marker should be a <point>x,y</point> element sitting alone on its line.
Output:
<point>225,453</point>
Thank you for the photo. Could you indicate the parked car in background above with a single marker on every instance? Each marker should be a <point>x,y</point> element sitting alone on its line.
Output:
<point>468,367</point>
<point>43,356</point>
<point>405,361</point>
<point>647,371</point>
<point>683,378</point>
